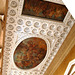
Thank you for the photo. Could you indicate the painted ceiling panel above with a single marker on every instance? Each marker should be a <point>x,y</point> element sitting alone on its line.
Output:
<point>22,23</point>
<point>44,9</point>
<point>30,53</point>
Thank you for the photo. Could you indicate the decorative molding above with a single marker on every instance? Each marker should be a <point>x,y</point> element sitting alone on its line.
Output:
<point>19,27</point>
<point>56,1</point>
<point>62,52</point>
<point>70,66</point>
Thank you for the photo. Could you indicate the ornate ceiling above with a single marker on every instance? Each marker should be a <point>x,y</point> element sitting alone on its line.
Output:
<point>21,26</point>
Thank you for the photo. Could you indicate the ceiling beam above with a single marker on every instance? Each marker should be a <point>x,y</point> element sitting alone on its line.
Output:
<point>62,53</point>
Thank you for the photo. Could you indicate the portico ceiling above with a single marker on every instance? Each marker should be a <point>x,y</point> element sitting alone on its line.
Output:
<point>23,23</point>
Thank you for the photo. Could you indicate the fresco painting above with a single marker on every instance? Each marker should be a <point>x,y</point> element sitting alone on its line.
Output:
<point>30,53</point>
<point>44,9</point>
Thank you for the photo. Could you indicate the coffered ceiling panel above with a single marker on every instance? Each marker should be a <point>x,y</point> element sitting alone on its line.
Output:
<point>34,33</point>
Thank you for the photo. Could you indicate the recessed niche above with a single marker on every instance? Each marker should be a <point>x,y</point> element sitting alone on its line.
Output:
<point>30,53</point>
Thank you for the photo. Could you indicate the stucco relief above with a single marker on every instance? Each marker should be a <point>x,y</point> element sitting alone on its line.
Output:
<point>19,28</point>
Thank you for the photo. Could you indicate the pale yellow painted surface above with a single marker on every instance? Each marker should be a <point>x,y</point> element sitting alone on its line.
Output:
<point>1,39</point>
<point>2,6</point>
<point>2,12</point>
<point>61,69</point>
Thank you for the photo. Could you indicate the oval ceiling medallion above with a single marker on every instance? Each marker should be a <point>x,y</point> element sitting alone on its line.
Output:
<point>30,53</point>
